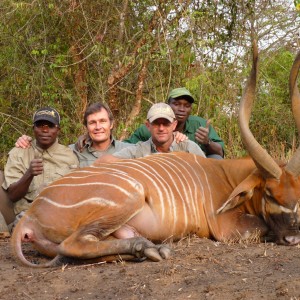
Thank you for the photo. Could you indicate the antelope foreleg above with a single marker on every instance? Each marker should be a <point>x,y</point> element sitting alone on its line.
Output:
<point>88,247</point>
<point>235,225</point>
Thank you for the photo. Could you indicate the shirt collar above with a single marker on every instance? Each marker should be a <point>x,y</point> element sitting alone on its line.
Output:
<point>89,143</point>
<point>153,147</point>
<point>49,150</point>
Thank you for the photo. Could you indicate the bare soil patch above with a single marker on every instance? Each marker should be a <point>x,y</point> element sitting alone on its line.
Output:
<point>198,269</point>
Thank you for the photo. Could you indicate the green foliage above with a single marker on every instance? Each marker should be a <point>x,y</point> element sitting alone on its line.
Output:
<point>61,53</point>
<point>273,120</point>
<point>297,4</point>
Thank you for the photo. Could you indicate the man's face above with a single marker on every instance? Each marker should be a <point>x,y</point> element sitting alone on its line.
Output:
<point>161,130</point>
<point>182,109</point>
<point>99,126</point>
<point>45,133</point>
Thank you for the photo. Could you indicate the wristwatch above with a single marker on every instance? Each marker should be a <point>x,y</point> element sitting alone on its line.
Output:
<point>209,141</point>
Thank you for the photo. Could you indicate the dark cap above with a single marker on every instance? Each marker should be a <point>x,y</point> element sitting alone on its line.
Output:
<point>181,93</point>
<point>47,114</point>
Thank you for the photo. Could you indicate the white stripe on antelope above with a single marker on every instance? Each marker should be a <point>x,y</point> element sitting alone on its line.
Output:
<point>127,207</point>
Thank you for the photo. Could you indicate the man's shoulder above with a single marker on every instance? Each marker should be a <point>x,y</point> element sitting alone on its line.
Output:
<point>121,143</point>
<point>189,142</point>
<point>20,152</point>
<point>64,154</point>
<point>192,124</point>
<point>184,144</point>
<point>143,144</point>
<point>142,128</point>
<point>61,147</point>
<point>140,134</point>
<point>189,146</point>
<point>148,141</point>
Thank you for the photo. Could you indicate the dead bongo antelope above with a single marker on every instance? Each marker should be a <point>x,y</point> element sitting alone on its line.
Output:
<point>128,206</point>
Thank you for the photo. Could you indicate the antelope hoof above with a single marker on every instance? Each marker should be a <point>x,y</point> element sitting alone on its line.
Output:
<point>158,253</point>
<point>144,248</point>
<point>164,251</point>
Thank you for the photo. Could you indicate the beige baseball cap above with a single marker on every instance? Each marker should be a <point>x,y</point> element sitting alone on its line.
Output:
<point>160,110</point>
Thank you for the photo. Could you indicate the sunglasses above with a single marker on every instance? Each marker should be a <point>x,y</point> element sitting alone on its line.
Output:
<point>43,125</point>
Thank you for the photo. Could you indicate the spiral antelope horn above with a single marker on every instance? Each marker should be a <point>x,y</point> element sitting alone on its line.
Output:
<point>293,165</point>
<point>263,161</point>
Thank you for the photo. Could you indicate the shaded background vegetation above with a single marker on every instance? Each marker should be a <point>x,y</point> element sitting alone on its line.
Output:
<point>70,53</point>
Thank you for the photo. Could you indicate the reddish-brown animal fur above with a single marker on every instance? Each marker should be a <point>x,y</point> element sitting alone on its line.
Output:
<point>162,197</point>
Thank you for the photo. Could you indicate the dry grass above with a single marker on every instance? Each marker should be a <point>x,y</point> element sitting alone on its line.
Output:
<point>252,238</point>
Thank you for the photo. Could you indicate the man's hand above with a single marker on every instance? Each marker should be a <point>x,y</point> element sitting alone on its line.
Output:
<point>179,137</point>
<point>23,142</point>
<point>79,145</point>
<point>202,133</point>
<point>36,167</point>
<point>19,189</point>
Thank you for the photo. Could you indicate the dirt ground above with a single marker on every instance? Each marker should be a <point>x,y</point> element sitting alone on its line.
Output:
<point>198,269</point>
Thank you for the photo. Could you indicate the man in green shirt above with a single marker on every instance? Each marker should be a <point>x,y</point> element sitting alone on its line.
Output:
<point>195,128</point>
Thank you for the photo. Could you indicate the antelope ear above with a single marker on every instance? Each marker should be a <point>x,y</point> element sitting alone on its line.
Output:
<point>242,193</point>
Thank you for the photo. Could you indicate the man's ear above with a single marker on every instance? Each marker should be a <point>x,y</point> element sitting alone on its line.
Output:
<point>111,125</point>
<point>174,124</point>
<point>147,123</point>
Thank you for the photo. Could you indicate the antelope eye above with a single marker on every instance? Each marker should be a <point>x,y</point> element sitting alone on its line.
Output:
<point>269,198</point>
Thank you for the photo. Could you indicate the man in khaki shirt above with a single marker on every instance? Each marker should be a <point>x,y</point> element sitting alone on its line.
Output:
<point>27,171</point>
